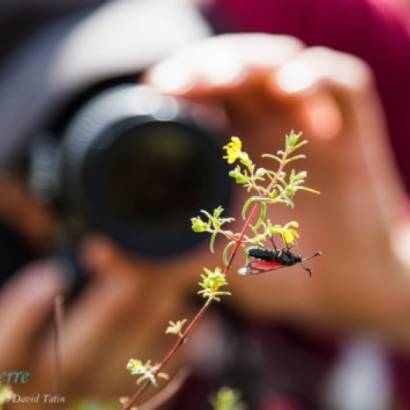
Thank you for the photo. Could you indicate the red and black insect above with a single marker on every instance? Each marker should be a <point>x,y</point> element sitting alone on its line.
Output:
<point>266,260</point>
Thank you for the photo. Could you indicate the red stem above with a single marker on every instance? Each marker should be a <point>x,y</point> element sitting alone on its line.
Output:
<point>58,329</point>
<point>201,313</point>
<point>241,235</point>
<point>168,391</point>
<point>197,318</point>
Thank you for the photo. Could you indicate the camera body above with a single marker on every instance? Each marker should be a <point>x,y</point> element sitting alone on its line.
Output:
<point>123,160</point>
<point>135,166</point>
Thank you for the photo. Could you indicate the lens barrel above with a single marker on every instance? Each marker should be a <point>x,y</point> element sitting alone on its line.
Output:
<point>138,165</point>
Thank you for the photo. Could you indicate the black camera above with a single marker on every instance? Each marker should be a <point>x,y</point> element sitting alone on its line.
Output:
<point>134,165</point>
<point>124,161</point>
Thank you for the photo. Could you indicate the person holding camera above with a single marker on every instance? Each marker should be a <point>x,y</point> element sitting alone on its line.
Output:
<point>258,86</point>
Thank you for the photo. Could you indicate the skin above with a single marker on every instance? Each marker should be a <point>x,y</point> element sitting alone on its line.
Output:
<point>266,86</point>
<point>276,84</point>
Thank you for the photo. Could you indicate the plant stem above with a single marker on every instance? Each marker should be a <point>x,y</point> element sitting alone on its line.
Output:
<point>202,312</point>
<point>197,318</point>
<point>58,329</point>
<point>168,391</point>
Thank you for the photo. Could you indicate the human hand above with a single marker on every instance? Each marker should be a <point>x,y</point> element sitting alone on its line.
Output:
<point>122,312</point>
<point>269,85</point>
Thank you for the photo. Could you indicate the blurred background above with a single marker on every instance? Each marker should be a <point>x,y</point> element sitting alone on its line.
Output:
<point>112,119</point>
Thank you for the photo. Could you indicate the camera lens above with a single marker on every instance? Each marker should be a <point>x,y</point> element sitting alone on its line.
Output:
<point>140,166</point>
<point>151,174</point>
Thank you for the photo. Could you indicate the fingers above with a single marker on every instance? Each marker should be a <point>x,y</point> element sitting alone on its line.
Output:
<point>353,167</point>
<point>121,312</point>
<point>143,337</point>
<point>318,63</point>
<point>234,66</point>
<point>220,64</point>
<point>25,304</point>
<point>94,322</point>
<point>328,85</point>
<point>335,96</point>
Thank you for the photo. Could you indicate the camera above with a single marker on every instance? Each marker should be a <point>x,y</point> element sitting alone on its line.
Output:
<point>134,165</point>
<point>110,155</point>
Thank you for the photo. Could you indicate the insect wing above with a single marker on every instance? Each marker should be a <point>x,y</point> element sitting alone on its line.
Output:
<point>257,267</point>
<point>266,266</point>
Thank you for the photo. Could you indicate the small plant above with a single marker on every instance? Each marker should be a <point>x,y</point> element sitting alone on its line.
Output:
<point>145,371</point>
<point>227,399</point>
<point>212,282</point>
<point>175,328</point>
<point>92,405</point>
<point>6,395</point>
<point>266,188</point>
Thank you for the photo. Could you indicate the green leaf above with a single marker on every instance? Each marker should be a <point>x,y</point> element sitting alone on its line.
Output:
<point>198,225</point>
<point>246,205</point>
<point>300,145</point>
<point>297,177</point>
<point>313,191</point>
<point>226,252</point>
<point>292,139</point>
<point>218,212</point>
<point>272,156</point>
<point>212,242</point>
<point>295,158</point>
<point>250,201</point>
<point>239,177</point>
<point>275,192</point>
<point>206,213</point>
<point>263,207</point>
<point>284,199</point>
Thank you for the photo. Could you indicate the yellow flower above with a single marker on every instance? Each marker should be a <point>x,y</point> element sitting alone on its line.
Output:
<point>289,233</point>
<point>289,236</point>
<point>233,150</point>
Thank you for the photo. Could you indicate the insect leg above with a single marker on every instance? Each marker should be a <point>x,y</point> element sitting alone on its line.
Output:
<point>308,270</point>
<point>273,243</point>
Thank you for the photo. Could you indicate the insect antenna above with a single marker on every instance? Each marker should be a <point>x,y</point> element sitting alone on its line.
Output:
<point>312,256</point>
<point>308,270</point>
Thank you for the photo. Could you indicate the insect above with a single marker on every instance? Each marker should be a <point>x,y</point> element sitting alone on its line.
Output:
<point>266,260</point>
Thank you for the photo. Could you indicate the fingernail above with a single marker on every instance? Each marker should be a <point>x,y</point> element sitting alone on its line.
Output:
<point>323,116</point>
<point>295,77</point>
<point>225,67</point>
<point>171,77</point>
